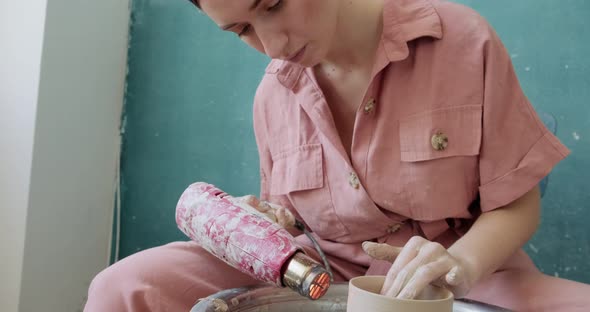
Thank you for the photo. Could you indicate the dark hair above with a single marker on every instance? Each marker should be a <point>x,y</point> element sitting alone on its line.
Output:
<point>196,3</point>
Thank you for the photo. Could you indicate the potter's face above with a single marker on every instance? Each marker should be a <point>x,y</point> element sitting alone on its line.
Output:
<point>297,30</point>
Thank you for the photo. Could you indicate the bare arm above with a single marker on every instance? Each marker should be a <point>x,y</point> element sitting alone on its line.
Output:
<point>492,239</point>
<point>498,234</point>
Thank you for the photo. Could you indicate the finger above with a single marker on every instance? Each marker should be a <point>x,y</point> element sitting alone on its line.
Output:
<point>455,277</point>
<point>260,205</point>
<point>394,283</point>
<point>250,200</point>
<point>285,218</point>
<point>396,277</point>
<point>423,276</point>
<point>381,251</point>
<point>264,206</point>
<point>426,254</point>
<point>281,217</point>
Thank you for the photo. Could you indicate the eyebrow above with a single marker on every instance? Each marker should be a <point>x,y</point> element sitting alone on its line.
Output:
<point>254,5</point>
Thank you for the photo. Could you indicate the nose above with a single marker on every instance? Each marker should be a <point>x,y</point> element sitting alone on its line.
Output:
<point>273,42</point>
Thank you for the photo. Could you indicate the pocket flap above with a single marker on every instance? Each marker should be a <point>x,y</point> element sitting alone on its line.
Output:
<point>459,126</point>
<point>297,169</point>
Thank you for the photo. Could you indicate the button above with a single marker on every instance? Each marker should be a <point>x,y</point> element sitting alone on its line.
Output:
<point>394,228</point>
<point>353,180</point>
<point>370,106</point>
<point>439,141</point>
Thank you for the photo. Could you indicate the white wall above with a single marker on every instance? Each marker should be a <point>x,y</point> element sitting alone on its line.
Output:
<point>21,41</point>
<point>61,92</point>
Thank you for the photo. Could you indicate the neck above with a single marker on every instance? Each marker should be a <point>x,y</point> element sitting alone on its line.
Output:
<point>358,33</point>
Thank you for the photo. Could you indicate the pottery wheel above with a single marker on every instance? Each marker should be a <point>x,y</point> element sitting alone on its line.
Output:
<point>270,299</point>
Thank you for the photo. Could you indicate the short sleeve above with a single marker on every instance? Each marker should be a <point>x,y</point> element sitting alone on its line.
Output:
<point>517,149</point>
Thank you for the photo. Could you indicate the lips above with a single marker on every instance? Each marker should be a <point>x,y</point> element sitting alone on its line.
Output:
<point>298,56</point>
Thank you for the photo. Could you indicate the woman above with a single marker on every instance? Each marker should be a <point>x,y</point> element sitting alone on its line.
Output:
<point>388,122</point>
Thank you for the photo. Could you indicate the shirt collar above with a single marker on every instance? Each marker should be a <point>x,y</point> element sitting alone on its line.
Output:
<point>403,21</point>
<point>407,20</point>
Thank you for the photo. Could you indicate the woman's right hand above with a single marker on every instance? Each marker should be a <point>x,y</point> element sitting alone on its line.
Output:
<point>419,263</point>
<point>276,213</point>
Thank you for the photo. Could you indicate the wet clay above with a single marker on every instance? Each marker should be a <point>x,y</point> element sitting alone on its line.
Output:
<point>363,296</point>
<point>217,304</point>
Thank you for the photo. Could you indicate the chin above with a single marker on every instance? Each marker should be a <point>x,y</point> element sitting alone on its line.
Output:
<point>311,60</point>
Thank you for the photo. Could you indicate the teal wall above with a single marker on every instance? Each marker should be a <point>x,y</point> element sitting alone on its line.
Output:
<point>188,117</point>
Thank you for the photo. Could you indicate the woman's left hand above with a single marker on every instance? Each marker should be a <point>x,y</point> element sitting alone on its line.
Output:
<point>420,263</point>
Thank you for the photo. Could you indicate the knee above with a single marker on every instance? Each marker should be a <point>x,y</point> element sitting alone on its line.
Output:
<point>104,281</point>
<point>110,289</point>
<point>104,286</point>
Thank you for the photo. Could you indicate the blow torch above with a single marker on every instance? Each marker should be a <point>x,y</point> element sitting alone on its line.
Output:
<point>249,241</point>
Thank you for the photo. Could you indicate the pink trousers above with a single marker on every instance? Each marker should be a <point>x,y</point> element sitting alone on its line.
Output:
<point>173,277</point>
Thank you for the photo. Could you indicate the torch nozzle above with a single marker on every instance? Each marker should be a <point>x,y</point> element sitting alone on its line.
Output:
<point>306,276</point>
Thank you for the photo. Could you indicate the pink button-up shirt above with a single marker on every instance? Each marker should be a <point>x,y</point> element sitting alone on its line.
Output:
<point>444,132</point>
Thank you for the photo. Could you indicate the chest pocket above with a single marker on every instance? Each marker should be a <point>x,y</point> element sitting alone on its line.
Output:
<point>439,163</point>
<point>299,174</point>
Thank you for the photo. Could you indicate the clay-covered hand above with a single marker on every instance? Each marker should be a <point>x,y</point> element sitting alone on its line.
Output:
<point>420,263</point>
<point>276,213</point>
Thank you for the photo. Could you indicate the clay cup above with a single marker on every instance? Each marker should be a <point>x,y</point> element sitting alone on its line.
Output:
<point>363,296</point>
